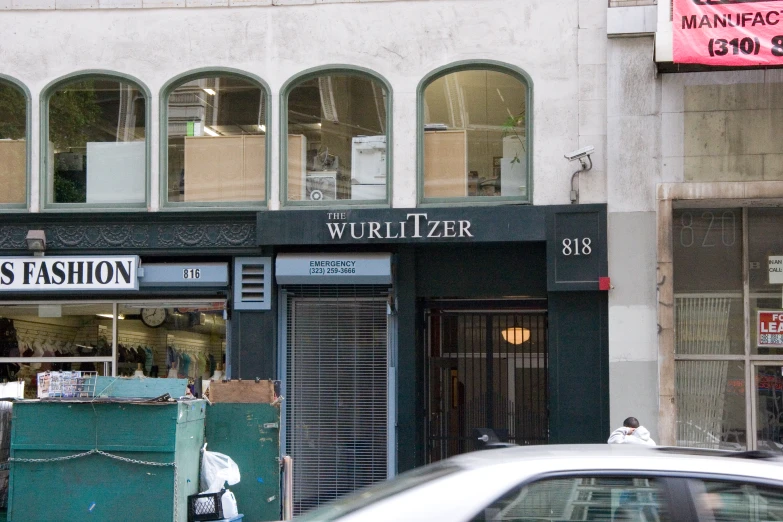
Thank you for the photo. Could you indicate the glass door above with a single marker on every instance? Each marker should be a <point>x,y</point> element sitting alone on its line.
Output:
<point>767,406</point>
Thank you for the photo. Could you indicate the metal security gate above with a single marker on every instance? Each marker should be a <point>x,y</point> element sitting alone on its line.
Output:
<point>336,389</point>
<point>485,369</point>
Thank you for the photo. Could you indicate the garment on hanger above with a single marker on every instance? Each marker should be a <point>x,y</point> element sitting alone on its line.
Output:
<point>149,358</point>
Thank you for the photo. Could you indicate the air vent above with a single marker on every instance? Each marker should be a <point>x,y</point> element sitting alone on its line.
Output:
<point>252,283</point>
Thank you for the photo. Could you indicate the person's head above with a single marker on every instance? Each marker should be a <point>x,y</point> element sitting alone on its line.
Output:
<point>631,422</point>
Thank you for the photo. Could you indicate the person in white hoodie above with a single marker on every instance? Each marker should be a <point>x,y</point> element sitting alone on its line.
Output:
<point>631,433</point>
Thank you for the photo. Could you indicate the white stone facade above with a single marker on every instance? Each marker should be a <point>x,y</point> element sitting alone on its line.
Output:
<point>588,89</point>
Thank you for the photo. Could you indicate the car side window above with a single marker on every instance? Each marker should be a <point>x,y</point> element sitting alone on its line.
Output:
<point>627,499</point>
<point>726,501</point>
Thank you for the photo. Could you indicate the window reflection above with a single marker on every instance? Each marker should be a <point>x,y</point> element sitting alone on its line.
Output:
<point>475,142</point>
<point>97,148</point>
<point>581,498</point>
<point>13,147</point>
<point>337,139</point>
<point>217,141</point>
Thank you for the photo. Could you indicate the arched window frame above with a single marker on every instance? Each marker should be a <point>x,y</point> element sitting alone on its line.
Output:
<point>309,74</point>
<point>22,207</point>
<point>165,92</point>
<point>46,94</point>
<point>468,65</point>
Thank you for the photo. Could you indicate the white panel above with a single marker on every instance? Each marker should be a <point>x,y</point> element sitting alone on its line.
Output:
<point>631,21</point>
<point>116,172</point>
<point>364,192</point>
<point>513,174</point>
<point>368,160</point>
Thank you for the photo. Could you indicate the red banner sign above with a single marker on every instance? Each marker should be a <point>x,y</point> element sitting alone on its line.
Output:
<point>728,32</point>
<point>770,328</point>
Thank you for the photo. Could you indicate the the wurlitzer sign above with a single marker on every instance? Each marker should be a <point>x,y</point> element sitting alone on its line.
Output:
<point>69,273</point>
<point>728,32</point>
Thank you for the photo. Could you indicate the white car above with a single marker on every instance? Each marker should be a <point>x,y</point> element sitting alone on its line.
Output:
<point>574,482</point>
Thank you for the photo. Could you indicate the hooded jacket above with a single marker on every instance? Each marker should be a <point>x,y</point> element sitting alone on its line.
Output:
<point>640,435</point>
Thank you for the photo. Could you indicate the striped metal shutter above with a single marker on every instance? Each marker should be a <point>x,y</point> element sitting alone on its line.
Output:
<point>336,390</point>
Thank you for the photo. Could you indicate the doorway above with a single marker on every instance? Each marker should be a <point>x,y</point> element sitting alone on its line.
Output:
<point>486,367</point>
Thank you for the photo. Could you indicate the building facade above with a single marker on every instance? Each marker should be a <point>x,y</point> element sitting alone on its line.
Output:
<point>423,229</point>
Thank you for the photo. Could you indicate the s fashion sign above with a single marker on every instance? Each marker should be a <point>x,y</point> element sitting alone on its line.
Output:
<point>69,273</point>
<point>728,32</point>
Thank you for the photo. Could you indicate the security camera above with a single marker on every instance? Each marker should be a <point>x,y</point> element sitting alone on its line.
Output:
<point>580,153</point>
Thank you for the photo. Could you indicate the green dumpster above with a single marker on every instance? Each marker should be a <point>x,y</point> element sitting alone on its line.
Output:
<point>126,456</point>
<point>249,434</point>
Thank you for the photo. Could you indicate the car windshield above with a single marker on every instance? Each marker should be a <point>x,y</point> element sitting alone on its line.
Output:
<point>379,491</point>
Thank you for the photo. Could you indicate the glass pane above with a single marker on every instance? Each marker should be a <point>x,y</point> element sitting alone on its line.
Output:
<point>217,141</point>
<point>735,501</point>
<point>97,147</point>
<point>53,330</point>
<point>707,248</point>
<point>474,136</point>
<point>13,147</point>
<point>731,132</point>
<point>177,339</point>
<point>769,407</point>
<point>337,139</point>
<point>765,256</point>
<point>581,498</point>
<point>711,404</point>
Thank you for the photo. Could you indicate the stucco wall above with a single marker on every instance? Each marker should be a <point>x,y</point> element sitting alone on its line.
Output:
<point>560,44</point>
<point>633,157</point>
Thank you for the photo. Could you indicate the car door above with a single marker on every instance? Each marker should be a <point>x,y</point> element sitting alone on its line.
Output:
<point>722,499</point>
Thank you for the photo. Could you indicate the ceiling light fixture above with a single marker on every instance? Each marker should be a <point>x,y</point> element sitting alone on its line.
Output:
<point>516,335</point>
<point>209,91</point>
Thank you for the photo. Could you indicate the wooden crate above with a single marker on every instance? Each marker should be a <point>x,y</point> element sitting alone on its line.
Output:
<point>262,392</point>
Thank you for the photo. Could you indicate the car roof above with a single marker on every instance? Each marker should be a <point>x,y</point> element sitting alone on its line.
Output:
<point>491,472</point>
<point>609,457</point>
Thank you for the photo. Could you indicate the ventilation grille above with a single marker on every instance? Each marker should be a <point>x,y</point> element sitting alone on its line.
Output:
<point>336,390</point>
<point>252,278</point>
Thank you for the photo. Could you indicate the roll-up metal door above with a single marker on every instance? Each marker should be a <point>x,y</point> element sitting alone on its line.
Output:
<point>336,390</point>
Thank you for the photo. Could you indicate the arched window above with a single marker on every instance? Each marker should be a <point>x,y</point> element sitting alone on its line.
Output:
<point>338,129</point>
<point>97,142</point>
<point>216,141</point>
<point>476,135</point>
<point>13,145</point>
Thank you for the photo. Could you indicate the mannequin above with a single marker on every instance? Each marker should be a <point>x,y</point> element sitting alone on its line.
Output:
<point>139,371</point>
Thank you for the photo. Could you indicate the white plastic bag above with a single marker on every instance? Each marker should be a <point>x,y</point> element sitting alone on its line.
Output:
<point>216,470</point>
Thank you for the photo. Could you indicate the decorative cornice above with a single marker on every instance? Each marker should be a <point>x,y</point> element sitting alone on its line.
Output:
<point>135,233</point>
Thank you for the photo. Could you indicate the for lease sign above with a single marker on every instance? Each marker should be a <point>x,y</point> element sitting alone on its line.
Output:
<point>770,328</point>
<point>728,32</point>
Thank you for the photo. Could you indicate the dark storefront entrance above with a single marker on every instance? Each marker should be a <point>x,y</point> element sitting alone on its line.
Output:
<point>456,280</point>
<point>486,367</point>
